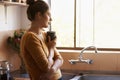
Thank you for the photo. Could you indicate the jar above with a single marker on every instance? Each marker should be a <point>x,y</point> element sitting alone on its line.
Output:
<point>5,70</point>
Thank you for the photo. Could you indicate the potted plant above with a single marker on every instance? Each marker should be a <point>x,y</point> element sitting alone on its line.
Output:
<point>14,42</point>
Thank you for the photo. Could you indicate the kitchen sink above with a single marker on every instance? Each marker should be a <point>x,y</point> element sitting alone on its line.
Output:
<point>68,76</point>
<point>71,76</point>
<point>81,76</point>
<point>100,77</point>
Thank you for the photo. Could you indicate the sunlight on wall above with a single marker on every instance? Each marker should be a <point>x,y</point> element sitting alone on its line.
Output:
<point>10,17</point>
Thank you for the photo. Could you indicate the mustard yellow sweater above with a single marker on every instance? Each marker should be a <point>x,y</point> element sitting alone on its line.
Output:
<point>34,52</point>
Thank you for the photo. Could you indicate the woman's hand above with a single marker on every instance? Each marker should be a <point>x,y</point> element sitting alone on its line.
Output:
<point>51,43</point>
<point>50,60</point>
<point>50,74</point>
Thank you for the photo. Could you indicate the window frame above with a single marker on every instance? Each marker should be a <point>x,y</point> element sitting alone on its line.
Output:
<point>80,48</point>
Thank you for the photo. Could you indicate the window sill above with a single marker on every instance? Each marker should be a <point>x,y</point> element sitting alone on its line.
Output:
<point>87,51</point>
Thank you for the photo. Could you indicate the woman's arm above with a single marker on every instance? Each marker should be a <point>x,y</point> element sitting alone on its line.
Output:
<point>54,58</point>
<point>50,58</point>
<point>58,60</point>
<point>34,47</point>
<point>51,45</point>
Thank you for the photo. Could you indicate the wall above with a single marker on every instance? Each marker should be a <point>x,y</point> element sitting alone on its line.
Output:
<point>6,52</point>
<point>14,17</point>
<point>102,61</point>
<point>24,20</point>
<point>11,18</point>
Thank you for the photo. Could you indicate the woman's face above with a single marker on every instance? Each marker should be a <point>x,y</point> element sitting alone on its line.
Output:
<point>46,19</point>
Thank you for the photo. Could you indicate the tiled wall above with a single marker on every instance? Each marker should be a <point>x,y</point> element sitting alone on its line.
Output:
<point>101,61</point>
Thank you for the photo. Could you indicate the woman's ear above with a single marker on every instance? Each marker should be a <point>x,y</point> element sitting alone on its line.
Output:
<point>38,15</point>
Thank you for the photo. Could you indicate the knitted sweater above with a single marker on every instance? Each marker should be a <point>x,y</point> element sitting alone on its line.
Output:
<point>34,52</point>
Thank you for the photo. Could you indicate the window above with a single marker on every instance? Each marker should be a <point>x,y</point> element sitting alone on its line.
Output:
<point>63,21</point>
<point>81,23</point>
<point>107,23</point>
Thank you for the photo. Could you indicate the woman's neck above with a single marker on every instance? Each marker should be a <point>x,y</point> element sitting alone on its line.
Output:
<point>36,29</point>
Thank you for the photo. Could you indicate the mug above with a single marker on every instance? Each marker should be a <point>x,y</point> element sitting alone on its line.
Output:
<point>52,35</point>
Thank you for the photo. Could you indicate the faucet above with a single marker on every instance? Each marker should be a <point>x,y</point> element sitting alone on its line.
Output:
<point>80,59</point>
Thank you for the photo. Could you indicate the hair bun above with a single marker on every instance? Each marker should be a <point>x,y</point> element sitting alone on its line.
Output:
<point>30,2</point>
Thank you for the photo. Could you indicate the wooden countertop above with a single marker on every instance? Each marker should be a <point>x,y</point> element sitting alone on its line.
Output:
<point>21,78</point>
<point>18,76</point>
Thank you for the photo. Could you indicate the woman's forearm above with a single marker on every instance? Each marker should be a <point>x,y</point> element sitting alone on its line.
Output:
<point>50,58</point>
<point>57,64</point>
<point>51,53</point>
<point>58,60</point>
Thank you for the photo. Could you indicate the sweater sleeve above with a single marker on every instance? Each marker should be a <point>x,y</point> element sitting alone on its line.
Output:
<point>34,47</point>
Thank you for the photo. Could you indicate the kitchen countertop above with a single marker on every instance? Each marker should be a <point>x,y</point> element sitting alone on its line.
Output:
<point>21,79</point>
<point>19,76</point>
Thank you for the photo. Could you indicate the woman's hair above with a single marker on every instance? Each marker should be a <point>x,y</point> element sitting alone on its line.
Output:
<point>34,7</point>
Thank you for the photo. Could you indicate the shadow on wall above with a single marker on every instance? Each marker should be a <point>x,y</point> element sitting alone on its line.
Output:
<point>6,52</point>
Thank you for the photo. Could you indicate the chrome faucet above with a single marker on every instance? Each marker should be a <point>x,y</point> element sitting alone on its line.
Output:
<point>80,59</point>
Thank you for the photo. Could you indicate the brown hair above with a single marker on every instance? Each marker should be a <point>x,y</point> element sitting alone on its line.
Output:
<point>35,7</point>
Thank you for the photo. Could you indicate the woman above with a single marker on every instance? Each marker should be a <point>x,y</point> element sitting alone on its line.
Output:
<point>41,58</point>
